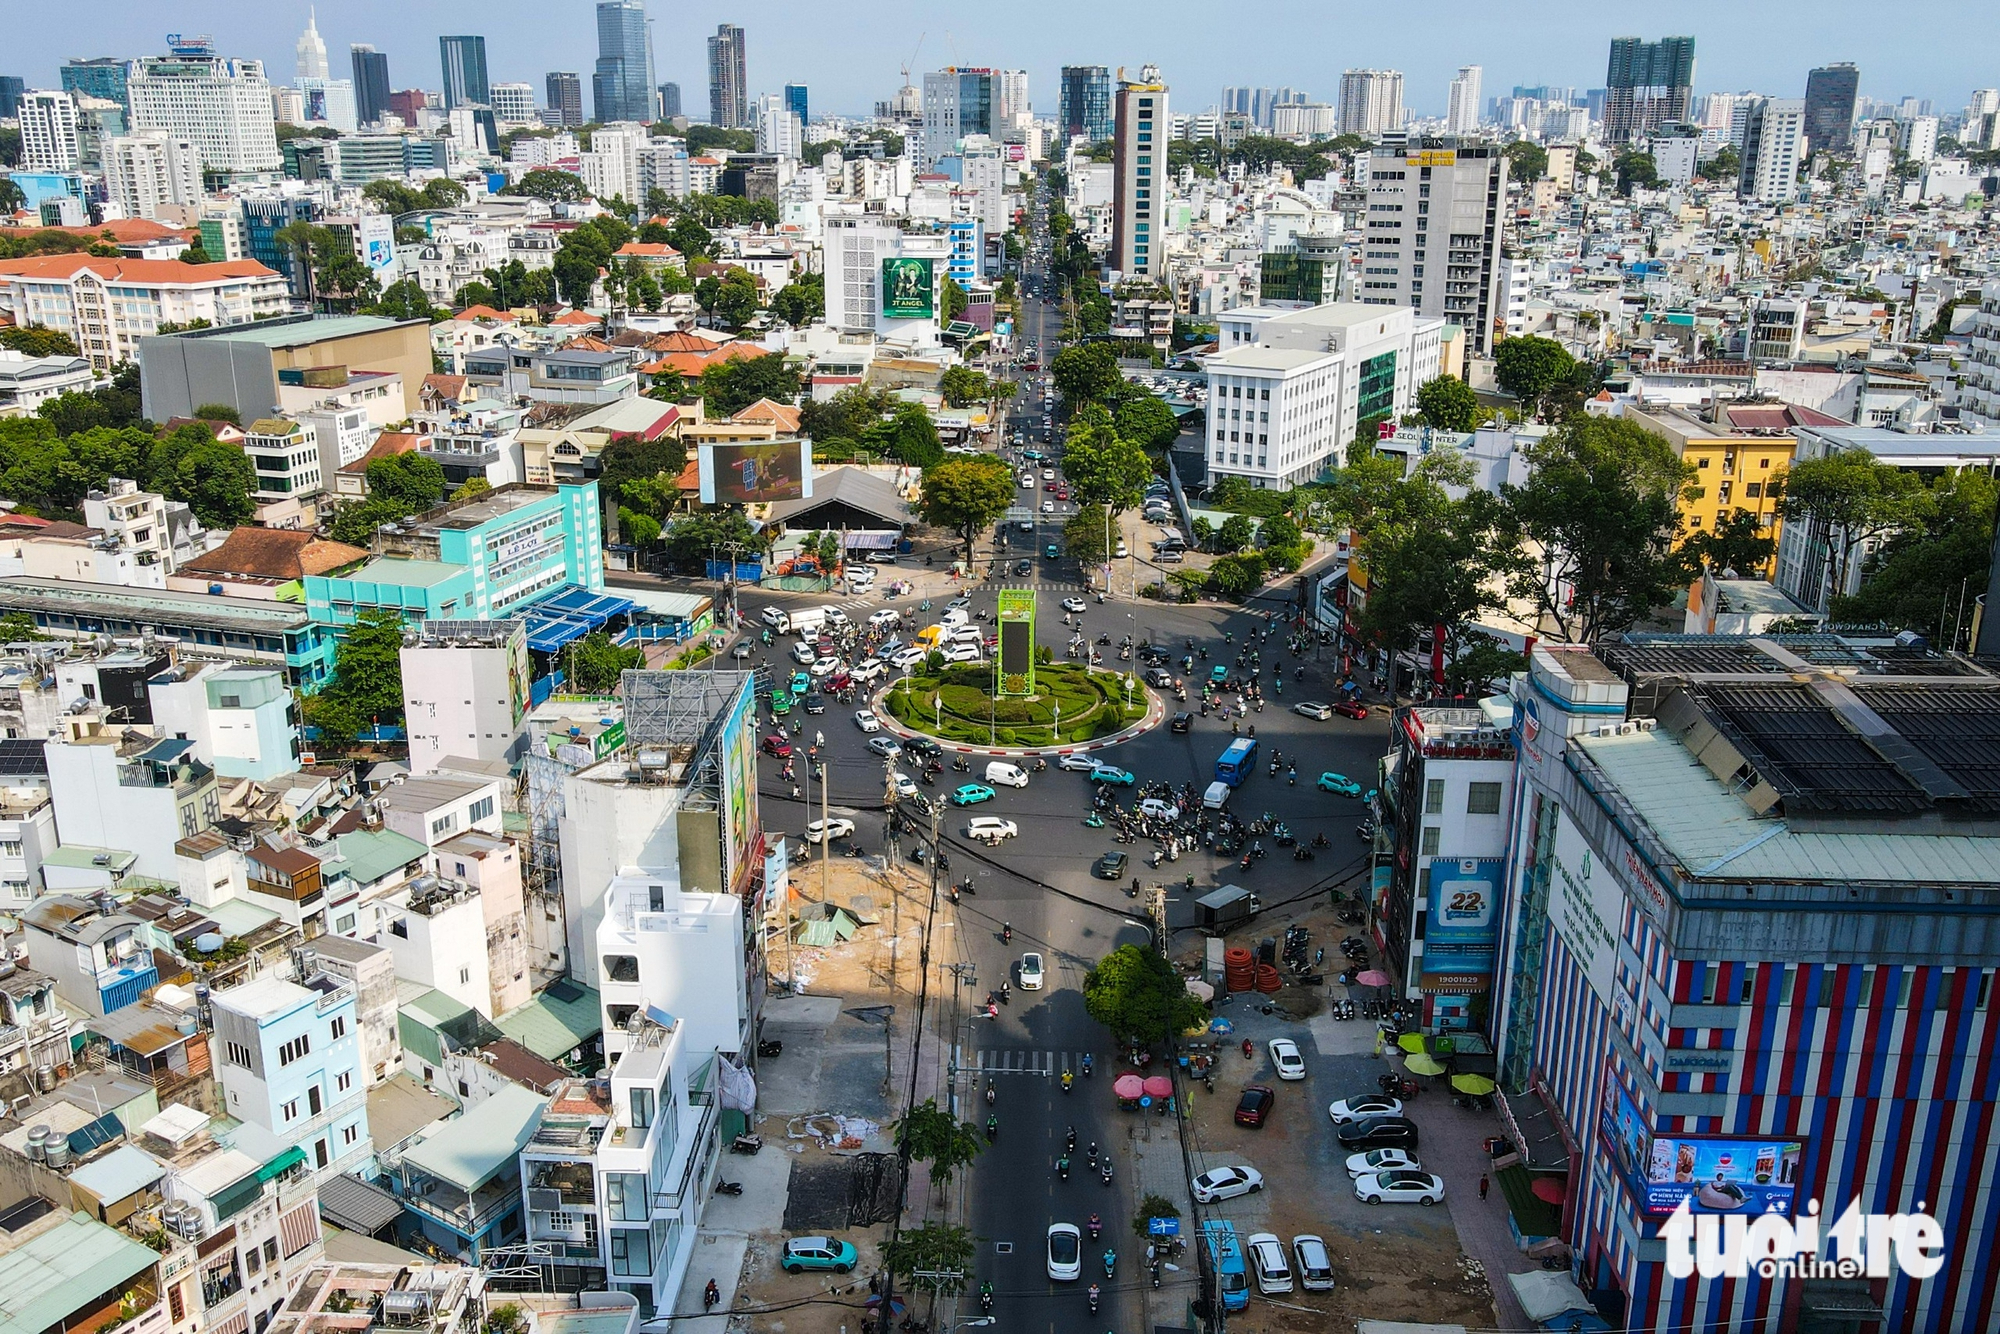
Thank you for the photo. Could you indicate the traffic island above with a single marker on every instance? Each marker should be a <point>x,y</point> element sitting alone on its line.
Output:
<point>1071,708</point>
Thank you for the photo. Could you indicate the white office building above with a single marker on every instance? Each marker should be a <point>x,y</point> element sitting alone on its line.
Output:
<point>1676,153</point>
<point>329,102</point>
<point>779,131</point>
<point>145,173</point>
<point>514,103</point>
<point>465,691</point>
<point>1139,176</point>
<point>1432,234</point>
<point>1289,388</point>
<point>222,106</point>
<point>611,167</point>
<point>48,131</point>
<point>857,246</point>
<point>1462,113</point>
<point>1371,101</point>
<point>1919,135</point>
<point>1774,144</point>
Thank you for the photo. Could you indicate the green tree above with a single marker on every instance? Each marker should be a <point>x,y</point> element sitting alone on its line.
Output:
<point>844,416</point>
<point>1600,510</point>
<point>475,293</point>
<point>1927,575</point>
<point>693,240</point>
<point>1448,404</point>
<point>593,664</point>
<point>37,342</point>
<point>471,489</point>
<point>954,300</point>
<point>1234,535</point>
<point>11,199</point>
<point>549,185</point>
<point>1085,373</point>
<point>692,538</point>
<point>1526,160</point>
<point>923,1255</point>
<point>731,298</point>
<point>909,437</point>
<point>1848,500</point>
<point>1433,561</point>
<point>1083,535</point>
<point>1529,368</point>
<point>1738,542</point>
<point>1102,468</point>
<point>801,301</point>
<point>1146,422</point>
<point>1281,534</point>
<point>930,1134</point>
<point>366,688</point>
<point>1479,664</point>
<point>1236,576</point>
<point>966,493</point>
<point>411,480</point>
<point>356,524</point>
<point>628,462</point>
<point>1204,533</point>
<point>18,627</point>
<point>1635,170</point>
<point>405,300</point>
<point>219,412</point>
<point>1137,994</point>
<point>962,387</point>
<point>195,254</point>
<point>1724,166</point>
<point>217,482</point>
<point>728,387</point>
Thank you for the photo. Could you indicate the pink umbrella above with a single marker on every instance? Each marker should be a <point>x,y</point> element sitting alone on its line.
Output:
<point>1374,977</point>
<point>1128,1086</point>
<point>1159,1086</point>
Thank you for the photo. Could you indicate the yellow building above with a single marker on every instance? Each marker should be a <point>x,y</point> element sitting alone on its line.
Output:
<point>1740,452</point>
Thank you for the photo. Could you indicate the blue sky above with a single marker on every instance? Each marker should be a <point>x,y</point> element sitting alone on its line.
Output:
<point>850,51</point>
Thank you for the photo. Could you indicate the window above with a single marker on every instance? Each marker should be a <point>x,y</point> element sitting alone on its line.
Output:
<point>480,810</point>
<point>444,824</point>
<point>294,1049</point>
<point>1482,799</point>
<point>236,1054</point>
<point>290,1111</point>
<point>625,1196</point>
<point>313,1100</point>
<point>338,1027</point>
<point>631,1257</point>
<point>642,1108</point>
<point>1434,797</point>
<point>343,1081</point>
<point>349,1134</point>
<point>250,1263</point>
<point>1429,847</point>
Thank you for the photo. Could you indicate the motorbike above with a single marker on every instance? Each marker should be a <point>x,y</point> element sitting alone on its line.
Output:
<point>992,1129</point>
<point>1086,1069</point>
<point>1006,991</point>
<point>1244,865</point>
<point>1093,1299</point>
<point>1041,766</point>
<point>986,1297</point>
<point>1302,853</point>
<point>746,1144</point>
<point>1110,1263</point>
<point>1095,1227</point>
<point>1094,820</point>
<point>729,1188</point>
<point>1104,1169</point>
<point>1292,777</point>
<point>1062,1169</point>
<point>1156,1273</point>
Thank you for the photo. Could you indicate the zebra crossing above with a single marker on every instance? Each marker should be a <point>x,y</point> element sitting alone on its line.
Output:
<point>1022,1061</point>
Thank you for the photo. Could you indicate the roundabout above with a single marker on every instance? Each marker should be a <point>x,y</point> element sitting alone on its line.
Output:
<point>1071,708</point>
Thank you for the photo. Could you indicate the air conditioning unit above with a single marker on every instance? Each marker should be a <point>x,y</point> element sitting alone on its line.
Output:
<point>1626,729</point>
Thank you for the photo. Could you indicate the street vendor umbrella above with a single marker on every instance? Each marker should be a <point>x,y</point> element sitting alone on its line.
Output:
<point>1476,1085</point>
<point>1128,1086</point>
<point>1420,1064</point>
<point>1411,1042</point>
<point>1550,1189</point>
<point>896,1306</point>
<point>1159,1086</point>
<point>1374,977</point>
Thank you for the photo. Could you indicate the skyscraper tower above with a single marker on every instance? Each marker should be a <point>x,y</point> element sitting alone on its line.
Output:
<point>371,82</point>
<point>565,98</point>
<point>1085,106</point>
<point>1647,84</point>
<point>1138,192</point>
<point>670,100</point>
<point>1462,115</point>
<point>1830,94</point>
<point>464,61</point>
<point>622,87</point>
<point>312,51</point>
<point>798,98</point>
<point>1371,101</point>
<point>728,79</point>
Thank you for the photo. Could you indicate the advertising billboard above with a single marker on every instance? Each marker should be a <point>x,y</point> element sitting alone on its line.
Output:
<point>907,290</point>
<point>1459,938</point>
<point>739,783</point>
<point>1016,659</point>
<point>1713,1174</point>
<point>378,243</point>
<point>755,474</point>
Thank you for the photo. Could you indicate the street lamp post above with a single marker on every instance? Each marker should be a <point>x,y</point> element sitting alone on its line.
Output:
<point>1056,704</point>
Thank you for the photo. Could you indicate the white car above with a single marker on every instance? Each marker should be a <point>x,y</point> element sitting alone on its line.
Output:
<point>1073,605</point>
<point>958,604</point>
<point>908,657</point>
<point>1048,507</point>
<point>1078,763</point>
<point>861,576</point>
<point>884,746</point>
<point>906,786</point>
<point>1225,1183</point>
<point>1313,709</point>
<point>824,666</point>
<point>866,720</point>
<point>819,831</point>
<point>1315,1269</point>
<point>1121,551</point>
<point>1363,1106</point>
<point>1381,1160</point>
<point>1031,971</point>
<point>866,670</point>
<point>1028,480</point>
<point>804,653</point>
<point>1065,1252</point>
<point>1267,1261</point>
<point>1048,474</point>
<point>1399,1188</point>
<point>884,617</point>
<point>953,618</point>
<point>990,829</point>
<point>1285,1056</point>
<point>1155,808</point>
<point>961,653</point>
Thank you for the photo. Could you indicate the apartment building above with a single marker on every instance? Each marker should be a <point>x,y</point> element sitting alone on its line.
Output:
<point>222,106</point>
<point>288,1059</point>
<point>108,305</point>
<point>1432,237</point>
<point>1139,176</point>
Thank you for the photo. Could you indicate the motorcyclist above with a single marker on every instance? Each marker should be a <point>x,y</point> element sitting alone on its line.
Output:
<point>1068,1079</point>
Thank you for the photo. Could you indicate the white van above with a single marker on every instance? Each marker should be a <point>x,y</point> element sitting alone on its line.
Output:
<point>808,621</point>
<point>1002,774</point>
<point>968,634</point>
<point>860,576</point>
<point>1217,795</point>
<point>778,619</point>
<point>953,618</point>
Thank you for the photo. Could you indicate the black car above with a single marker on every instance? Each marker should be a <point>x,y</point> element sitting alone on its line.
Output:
<point>1378,1132</point>
<point>815,703</point>
<point>1111,866</point>
<point>1183,721</point>
<point>921,747</point>
<point>1024,567</point>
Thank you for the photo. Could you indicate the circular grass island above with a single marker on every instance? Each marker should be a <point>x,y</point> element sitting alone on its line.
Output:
<point>958,704</point>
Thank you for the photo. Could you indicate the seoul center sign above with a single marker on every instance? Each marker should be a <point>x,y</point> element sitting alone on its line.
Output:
<point>907,291</point>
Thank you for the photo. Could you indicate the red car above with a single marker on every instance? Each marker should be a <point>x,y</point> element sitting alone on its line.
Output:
<point>778,746</point>
<point>1254,1106</point>
<point>1347,708</point>
<point>839,681</point>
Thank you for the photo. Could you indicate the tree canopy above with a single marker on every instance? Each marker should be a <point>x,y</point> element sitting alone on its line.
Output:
<point>1448,404</point>
<point>1102,467</point>
<point>1927,575</point>
<point>366,688</point>
<point>1085,373</point>
<point>1847,499</point>
<point>1529,368</point>
<point>1136,993</point>
<point>966,493</point>
<point>594,664</point>
<point>549,185</point>
<point>729,386</point>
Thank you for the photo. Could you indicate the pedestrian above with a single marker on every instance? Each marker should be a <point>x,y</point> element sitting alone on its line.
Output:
<point>1482,1187</point>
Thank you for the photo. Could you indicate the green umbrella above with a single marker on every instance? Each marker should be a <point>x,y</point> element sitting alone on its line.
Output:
<point>1421,1064</point>
<point>1475,1085</point>
<point>1411,1042</point>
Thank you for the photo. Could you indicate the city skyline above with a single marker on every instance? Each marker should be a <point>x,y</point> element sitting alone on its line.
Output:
<point>851,66</point>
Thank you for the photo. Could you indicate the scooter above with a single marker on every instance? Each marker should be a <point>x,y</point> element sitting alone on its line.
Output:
<point>992,1129</point>
<point>1104,1169</point>
<point>746,1144</point>
<point>1062,1169</point>
<point>1095,1227</point>
<point>1094,820</point>
<point>986,1297</point>
<point>1110,1263</point>
<point>1093,1299</point>
<point>729,1188</point>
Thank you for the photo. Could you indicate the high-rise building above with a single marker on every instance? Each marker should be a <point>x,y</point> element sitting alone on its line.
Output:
<point>1371,101</point>
<point>622,87</point>
<point>514,103</point>
<point>1918,138</point>
<point>1011,109</point>
<point>670,100</point>
<point>798,101</point>
<point>1085,106</point>
<point>464,61</point>
<point>1774,144</point>
<point>222,105</point>
<point>145,172</point>
<point>1647,84</point>
<point>565,98</point>
<point>103,77</point>
<point>1139,133</point>
<point>371,82</point>
<point>957,102</point>
<point>779,130</point>
<point>12,89</point>
<point>728,79</point>
<point>1831,91</point>
<point>1462,113</point>
<point>48,131</point>
<point>312,50</point>
<point>329,102</point>
<point>1454,272</point>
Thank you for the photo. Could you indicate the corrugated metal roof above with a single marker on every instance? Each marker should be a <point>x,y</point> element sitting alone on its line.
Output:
<point>43,1280</point>
<point>472,1149</point>
<point>556,1022</point>
<point>356,1205</point>
<point>126,1170</point>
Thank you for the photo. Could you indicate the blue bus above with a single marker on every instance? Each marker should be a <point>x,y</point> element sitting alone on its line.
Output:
<point>1226,1255</point>
<point>1237,762</point>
